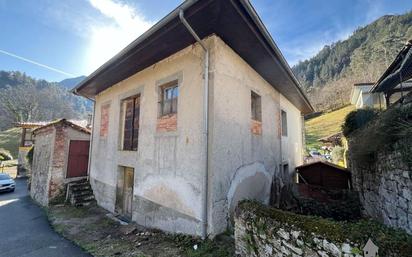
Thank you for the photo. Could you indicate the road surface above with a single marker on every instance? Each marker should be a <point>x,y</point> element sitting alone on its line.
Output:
<point>25,231</point>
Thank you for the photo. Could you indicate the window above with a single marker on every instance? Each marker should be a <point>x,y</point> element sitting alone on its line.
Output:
<point>256,105</point>
<point>168,99</point>
<point>131,112</point>
<point>284,123</point>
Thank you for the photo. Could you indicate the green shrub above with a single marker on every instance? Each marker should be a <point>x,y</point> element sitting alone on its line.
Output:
<point>5,155</point>
<point>357,119</point>
<point>391,129</point>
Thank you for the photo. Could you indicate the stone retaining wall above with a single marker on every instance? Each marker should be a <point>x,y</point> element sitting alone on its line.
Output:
<point>262,231</point>
<point>278,241</point>
<point>385,189</point>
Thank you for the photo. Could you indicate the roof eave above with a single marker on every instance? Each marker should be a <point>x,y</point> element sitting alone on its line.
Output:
<point>252,12</point>
<point>124,52</point>
<point>305,105</point>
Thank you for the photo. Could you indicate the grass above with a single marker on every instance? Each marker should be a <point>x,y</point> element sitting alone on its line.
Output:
<point>9,140</point>
<point>325,125</point>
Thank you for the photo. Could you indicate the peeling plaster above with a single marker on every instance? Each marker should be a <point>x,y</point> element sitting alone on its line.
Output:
<point>250,181</point>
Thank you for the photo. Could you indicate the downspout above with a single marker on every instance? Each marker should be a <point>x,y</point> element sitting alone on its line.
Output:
<point>205,123</point>
<point>91,140</point>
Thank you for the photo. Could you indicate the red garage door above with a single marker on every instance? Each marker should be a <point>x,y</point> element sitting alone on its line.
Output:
<point>78,158</point>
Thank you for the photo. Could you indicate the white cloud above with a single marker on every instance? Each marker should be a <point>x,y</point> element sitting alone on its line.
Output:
<point>124,24</point>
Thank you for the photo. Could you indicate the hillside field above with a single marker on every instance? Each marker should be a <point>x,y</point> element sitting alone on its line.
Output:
<point>325,125</point>
<point>9,140</point>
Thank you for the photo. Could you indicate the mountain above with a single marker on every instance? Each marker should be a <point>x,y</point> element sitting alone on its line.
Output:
<point>72,82</point>
<point>328,76</point>
<point>23,98</point>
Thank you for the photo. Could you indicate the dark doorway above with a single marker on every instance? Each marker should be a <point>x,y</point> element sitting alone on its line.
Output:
<point>78,159</point>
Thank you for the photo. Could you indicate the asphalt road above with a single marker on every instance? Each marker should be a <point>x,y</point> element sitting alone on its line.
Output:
<point>25,231</point>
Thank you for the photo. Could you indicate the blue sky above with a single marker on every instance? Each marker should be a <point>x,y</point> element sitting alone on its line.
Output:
<point>54,39</point>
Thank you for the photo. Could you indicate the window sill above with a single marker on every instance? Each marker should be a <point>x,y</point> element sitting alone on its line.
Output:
<point>128,151</point>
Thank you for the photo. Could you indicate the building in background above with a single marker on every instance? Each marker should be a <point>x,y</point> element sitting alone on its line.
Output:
<point>26,143</point>
<point>361,97</point>
<point>396,82</point>
<point>61,155</point>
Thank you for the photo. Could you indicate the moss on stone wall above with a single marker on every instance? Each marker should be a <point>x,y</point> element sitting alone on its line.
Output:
<point>391,242</point>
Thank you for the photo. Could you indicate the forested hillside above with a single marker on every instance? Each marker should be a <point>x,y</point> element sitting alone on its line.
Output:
<point>72,82</point>
<point>23,98</point>
<point>329,76</point>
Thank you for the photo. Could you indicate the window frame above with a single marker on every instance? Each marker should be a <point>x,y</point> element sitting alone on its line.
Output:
<point>256,106</point>
<point>134,140</point>
<point>174,86</point>
<point>284,123</point>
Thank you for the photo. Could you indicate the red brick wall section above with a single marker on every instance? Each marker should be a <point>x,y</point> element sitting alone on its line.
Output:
<point>59,146</point>
<point>104,120</point>
<point>256,127</point>
<point>59,154</point>
<point>167,123</point>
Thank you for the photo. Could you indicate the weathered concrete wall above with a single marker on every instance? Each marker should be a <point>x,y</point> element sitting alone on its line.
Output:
<point>292,144</point>
<point>42,161</point>
<point>385,189</point>
<point>168,164</point>
<point>242,162</point>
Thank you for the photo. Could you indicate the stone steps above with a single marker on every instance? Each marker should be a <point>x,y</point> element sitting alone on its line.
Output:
<point>80,193</point>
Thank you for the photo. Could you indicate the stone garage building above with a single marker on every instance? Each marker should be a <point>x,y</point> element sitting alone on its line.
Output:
<point>187,125</point>
<point>60,156</point>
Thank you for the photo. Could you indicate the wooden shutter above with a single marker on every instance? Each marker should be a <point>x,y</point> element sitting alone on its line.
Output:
<point>128,124</point>
<point>136,115</point>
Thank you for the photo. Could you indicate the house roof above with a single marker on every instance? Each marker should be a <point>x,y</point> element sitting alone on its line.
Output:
<point>331,138</point>
<point>35,124</point>
<point>234,21</point>
<point>361,84</point>
<point>399,71</point>
<point>75,124</point>
<point>323,163</point>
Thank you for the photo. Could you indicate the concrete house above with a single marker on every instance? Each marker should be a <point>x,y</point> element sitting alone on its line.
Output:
<point>199,112</point>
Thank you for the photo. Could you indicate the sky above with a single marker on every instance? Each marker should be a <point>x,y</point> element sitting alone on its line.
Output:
<point>55,39</point>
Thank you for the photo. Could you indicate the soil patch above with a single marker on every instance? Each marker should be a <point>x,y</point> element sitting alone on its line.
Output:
<point>95,232</point>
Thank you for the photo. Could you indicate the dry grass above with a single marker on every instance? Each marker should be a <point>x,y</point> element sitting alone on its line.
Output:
<point>9,140</point>
<point>325,125</point>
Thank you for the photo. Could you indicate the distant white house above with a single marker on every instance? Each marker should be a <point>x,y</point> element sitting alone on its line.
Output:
<point>361,96</point>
